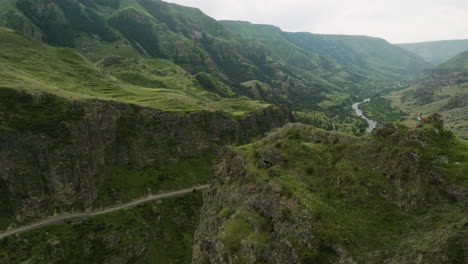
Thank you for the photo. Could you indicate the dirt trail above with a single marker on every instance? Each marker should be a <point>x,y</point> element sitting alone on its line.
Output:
<point>62,218</point>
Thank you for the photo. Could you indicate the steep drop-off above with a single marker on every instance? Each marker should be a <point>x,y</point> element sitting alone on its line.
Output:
<point>297,71</point>
<point>444,90</point>
<point>58,155</point>
<point>303,195</point>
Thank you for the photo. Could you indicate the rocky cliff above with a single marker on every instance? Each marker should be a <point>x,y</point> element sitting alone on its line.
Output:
<point>302,195</point>
<point>56,155</point>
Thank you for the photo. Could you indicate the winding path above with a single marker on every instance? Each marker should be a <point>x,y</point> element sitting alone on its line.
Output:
<point>62,218</point>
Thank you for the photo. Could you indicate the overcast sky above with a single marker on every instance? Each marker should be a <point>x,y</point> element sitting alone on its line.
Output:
<point>398,21</point>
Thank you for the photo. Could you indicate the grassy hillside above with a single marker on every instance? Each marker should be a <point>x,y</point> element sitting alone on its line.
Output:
<point>318,191</point>
<point>273,38</point>
<point>340,69</point>
<point>364,55</point>
<point>164,42</point>
<point>155,29</point>
<point>459,63</point>
<point>437,52</point>
<point>443,90</point>
<point>450,101</point>
<point>27,64</point>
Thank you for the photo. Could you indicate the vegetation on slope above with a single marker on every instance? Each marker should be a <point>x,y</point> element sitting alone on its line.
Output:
<point>459,63</point>
<point>27,64</point>
<point>159,232</point>
<point>294,70</point>
<point>443,90</point>
<point>318,191</point>
<point>437,52</point>
<point>62,155</point>
<point>125,183</point>
<point>363,55</point>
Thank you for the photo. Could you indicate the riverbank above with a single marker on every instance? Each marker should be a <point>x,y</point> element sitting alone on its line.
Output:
<point>371,123</point>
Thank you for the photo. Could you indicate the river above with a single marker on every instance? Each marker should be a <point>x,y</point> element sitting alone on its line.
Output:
<point>372,123</point>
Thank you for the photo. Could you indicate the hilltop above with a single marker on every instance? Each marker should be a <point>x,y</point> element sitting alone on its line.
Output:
<point>437,52</point>
<point>304,195</point>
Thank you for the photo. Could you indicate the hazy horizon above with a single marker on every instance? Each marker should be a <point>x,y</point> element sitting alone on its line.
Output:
<point>396,21</point>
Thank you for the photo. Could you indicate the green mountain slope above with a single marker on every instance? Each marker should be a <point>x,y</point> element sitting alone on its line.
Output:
<point>27,64</point>
<point>365,55</point>
<point>344,56</point>
<point>273,38</point>
<point>304,195</point>
<point>145,234</point>
<point>437,52</point>
<point>458,63</point>
<point>106,101</point>
<point>232,53</point>
<point>174,58</point>
<point>444,90</point>
<point>150,29</point>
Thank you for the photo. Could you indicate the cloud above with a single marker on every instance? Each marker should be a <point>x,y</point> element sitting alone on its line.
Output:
<point>398,21</point>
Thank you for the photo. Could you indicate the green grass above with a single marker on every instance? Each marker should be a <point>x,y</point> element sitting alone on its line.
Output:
<point>23,112</point>
<point>28,65</point>
<point>362,55</point>
<point>446,100</point>
<point>161,232</point>
<point>125,183</point>
<point>458,63</point>
<point>338,186</point>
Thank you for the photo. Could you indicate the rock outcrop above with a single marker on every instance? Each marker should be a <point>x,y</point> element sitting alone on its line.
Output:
<point>304,195</point>
<point>57,162</point>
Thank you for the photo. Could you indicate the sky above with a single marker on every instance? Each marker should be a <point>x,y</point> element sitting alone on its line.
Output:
<point>398,21</point>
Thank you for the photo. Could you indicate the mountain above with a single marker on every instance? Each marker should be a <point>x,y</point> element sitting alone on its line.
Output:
<point>107,103</point>
<point>444,90</point>
<point>458,63</point>
<point>61,156</point>
<point>365,55</point>
<point>437,52</point>
<point>176,58</point>
<point>356,55</point>
<point>232,59</point>
<point>29,65</point>
<point>304,195</point>
<point>155,29</point>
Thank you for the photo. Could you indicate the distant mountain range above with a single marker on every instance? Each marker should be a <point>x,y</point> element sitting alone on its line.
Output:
<point>297,67</point>
<point>437,52</point>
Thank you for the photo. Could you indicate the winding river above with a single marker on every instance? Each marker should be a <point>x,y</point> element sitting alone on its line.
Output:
<point>372,123</point>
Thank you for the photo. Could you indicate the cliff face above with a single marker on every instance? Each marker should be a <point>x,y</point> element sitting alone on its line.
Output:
<point>303,195</point>
<point>245,220</point>
<point>60,159</point>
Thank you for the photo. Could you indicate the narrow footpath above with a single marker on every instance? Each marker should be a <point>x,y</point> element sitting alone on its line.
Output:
<point>62,218</point>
